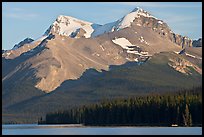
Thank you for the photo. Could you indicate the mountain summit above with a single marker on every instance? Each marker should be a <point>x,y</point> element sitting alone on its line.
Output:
<point>70,26</point>
<point>129,18</point>
<point>79,60</point>
<point>83,45</point>
<point>124,22</point>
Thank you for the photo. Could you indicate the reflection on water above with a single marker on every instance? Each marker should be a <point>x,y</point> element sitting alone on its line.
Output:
<point>33,129</point>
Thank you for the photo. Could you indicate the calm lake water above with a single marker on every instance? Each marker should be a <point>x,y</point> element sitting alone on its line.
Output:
<point>34,129</point>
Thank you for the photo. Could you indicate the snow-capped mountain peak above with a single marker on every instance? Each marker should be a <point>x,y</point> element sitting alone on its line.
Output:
<point>124,22</point>
<point>70,20</point>
<point>140,11</point>
<point>136,9</point>
<point>75,28</point>
<point>130,17</point>
<point>67,25</point>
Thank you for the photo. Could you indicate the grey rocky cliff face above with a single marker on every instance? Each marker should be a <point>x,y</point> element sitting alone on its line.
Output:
<point>79,33</point>
<point>25,41</point>
<point>163,29</point>
<point>197,43</point>
<point>3,51</point>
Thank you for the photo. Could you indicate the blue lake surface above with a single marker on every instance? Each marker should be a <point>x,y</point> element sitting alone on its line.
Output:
<point>34,129</point>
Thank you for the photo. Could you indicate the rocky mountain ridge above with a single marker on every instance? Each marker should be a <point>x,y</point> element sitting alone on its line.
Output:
<point>94,46</point>
<point>78,60</point>
<point>197,43</point>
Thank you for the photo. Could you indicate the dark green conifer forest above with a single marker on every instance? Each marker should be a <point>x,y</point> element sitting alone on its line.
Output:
<point>183,108</point>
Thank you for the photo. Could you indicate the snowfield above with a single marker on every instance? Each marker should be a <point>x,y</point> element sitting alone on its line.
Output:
<point>123,42</point>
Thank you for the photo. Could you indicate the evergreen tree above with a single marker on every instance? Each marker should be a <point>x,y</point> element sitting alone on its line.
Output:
<point>164,110</point>
<point>187,117</point>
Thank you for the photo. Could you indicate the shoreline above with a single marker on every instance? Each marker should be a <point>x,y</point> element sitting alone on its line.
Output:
<point>93,126</point>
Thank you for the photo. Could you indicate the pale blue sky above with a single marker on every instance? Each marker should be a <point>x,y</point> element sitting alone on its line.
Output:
<point>30,19</point>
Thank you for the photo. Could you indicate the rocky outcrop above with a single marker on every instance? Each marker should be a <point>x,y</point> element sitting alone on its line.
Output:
<point>3,51</point>
<point>197,43</point>
<point>79,33</point>
<point>183,66</point>
<point>162,29</point>
<point>25,41</point>
<point>182,41</point>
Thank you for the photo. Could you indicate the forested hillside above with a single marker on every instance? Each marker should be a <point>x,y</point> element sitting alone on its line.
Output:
<point>183,108</point>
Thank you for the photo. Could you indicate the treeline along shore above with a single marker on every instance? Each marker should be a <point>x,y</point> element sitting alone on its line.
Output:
<point>181,108</point>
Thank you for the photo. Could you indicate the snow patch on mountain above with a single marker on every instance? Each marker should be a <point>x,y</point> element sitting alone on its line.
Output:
<point>142,40</point>
<point>89,30</point>
<point>131,49</point>
<point>124,43</point>
<point>129,18</point>
<point>160,22</point>
<point>123,22</point>
<point>109,27</point>
<point>66,25</point>
<point>192,56</point>
<point>40,39</point>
